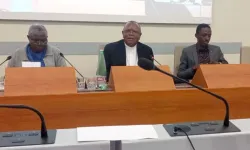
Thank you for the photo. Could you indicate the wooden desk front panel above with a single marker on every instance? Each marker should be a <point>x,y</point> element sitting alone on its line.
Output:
<point>94,109</point>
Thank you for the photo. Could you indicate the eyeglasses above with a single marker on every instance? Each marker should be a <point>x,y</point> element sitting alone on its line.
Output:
<point>131,31</point>
<point>39,42</point>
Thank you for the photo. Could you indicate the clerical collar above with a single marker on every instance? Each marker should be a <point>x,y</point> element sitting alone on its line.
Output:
<point>129,46</point>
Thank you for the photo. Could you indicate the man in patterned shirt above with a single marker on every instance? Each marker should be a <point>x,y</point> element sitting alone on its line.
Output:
<point>200,53</point>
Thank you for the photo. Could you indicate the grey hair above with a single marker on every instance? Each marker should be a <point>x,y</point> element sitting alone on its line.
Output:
<point>132,22</point>
<point>37,28</point>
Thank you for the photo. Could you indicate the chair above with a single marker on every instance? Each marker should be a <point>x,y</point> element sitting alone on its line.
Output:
<point>245,55</point>
<point>177,55</point>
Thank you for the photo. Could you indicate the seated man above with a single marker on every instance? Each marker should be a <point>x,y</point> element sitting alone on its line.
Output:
<point>127,51</point>
<point>200,53</point>
<point>37,50</point>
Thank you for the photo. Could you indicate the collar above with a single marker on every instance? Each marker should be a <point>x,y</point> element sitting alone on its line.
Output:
<point>126,46</point>
<point>48,50</point>
<point>202,48</point>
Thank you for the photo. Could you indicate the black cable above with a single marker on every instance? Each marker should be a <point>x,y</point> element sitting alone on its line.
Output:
<point>180,129</point>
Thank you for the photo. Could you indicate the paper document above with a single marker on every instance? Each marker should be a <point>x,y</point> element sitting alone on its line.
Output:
<point>107,133</point>
<point>31,64</point>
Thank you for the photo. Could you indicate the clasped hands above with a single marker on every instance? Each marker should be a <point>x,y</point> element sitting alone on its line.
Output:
<point>212,62</point>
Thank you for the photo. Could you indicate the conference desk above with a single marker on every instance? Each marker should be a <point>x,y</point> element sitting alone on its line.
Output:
<point>66,139</point>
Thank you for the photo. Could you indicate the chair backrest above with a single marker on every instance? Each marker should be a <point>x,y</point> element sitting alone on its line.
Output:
<point>177,55</point>
<point>245,55</point>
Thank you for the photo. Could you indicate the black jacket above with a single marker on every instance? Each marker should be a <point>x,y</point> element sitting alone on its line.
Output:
<point>115,54</point>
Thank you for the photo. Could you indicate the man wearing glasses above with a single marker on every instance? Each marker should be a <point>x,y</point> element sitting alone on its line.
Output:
<point>37,50</point>
<point>127,51</point>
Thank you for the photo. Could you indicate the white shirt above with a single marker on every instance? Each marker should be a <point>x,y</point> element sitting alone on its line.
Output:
<point>131,55</point>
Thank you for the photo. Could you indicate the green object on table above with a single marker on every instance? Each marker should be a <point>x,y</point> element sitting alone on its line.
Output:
<point>103,86</point>
<point>101,68</point>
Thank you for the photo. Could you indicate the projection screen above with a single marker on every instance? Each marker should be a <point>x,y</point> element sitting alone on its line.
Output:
<point>144,11</point>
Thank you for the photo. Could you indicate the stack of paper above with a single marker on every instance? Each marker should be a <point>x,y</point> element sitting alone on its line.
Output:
<point>109,133</point>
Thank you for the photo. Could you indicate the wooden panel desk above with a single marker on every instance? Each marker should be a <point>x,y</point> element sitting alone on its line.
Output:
<point>134,78</point>
<point>110,108</point>
<point>222,76</point>
<point>39,81</point>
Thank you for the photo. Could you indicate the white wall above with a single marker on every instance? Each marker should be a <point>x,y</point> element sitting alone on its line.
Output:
<point>230,24</point>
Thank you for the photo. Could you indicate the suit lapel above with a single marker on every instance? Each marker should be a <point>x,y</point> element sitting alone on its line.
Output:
<point>138,49</point>
<point>122,53</point>
<point>195,55</point>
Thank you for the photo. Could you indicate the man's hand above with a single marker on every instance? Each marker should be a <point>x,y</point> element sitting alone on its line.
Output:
<point>195,67</point>
<point>214,62</point>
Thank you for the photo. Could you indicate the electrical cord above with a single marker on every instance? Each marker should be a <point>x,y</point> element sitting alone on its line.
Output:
<point>176,129</point>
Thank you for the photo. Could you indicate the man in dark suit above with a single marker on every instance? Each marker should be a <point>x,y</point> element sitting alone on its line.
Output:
<point>127,51</point>
<point>200,53</point>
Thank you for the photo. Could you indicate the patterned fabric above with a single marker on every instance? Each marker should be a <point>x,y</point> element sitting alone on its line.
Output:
<point>203,55</point>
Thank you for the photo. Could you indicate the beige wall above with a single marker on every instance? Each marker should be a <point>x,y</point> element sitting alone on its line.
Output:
<point>230,24</point>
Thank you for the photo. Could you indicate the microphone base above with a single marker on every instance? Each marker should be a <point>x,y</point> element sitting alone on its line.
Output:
<point>199,128</point>
<point>25,138</point>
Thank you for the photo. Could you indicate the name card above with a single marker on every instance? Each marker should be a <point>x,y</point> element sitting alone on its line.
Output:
<point>31,64</point>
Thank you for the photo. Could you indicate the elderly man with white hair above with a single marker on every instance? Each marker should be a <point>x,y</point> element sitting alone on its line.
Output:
<point>37,50</point>
<point>127,51</point>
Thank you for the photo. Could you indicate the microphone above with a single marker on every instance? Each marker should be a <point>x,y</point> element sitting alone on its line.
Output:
<point>8,58</point>
<point>32,140</point>
<point>149,65</point>
<point>44,133</point>
<point>152,57</point>
<point>61,54</point>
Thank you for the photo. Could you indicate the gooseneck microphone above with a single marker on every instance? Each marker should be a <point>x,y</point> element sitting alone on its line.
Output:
<point>44,133</point>
<point>24,138</point>
<point>194,128</point>
<point>8,58</point>
<point>148,65</point>
<point>152,57</point>
<point>61,54</point>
